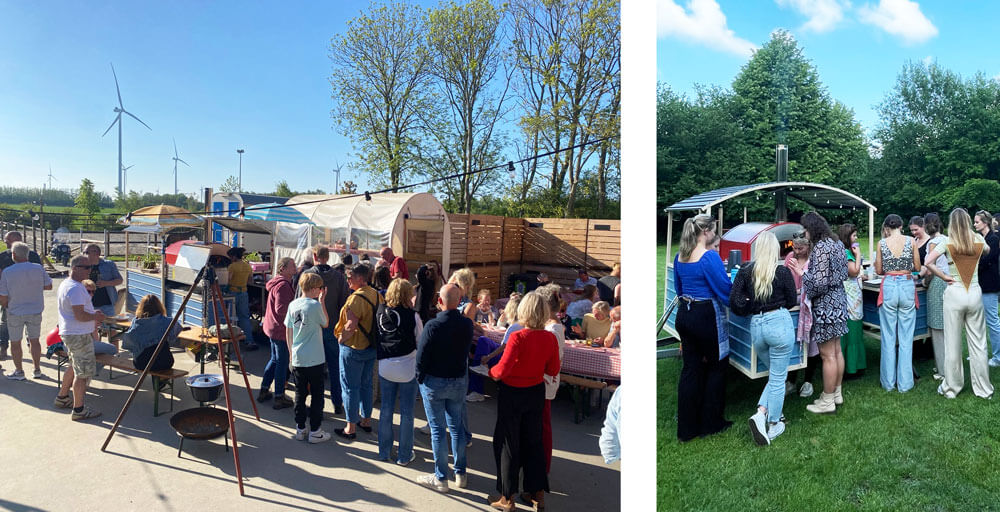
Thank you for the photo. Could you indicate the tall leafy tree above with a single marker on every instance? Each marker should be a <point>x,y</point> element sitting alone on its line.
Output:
<point>470,66</point>
<point>380,87</point>
<point>231,184</point>
<point>86,199</point>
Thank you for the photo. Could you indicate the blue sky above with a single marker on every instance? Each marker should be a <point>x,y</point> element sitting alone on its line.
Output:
<point>858,48</point>
<point>213,75</point>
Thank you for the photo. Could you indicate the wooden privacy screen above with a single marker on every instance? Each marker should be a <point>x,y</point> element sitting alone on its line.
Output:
<point>487,243</point>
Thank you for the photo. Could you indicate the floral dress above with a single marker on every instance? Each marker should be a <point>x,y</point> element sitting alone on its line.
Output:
<point>823,283</point>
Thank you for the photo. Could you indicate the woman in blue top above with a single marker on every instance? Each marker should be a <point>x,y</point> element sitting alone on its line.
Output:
<point>148,327</point>
<point>703,291</point>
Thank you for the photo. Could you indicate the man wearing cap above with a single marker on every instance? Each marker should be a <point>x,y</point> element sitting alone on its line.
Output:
<point>6,260</point>
<point>583,279</point>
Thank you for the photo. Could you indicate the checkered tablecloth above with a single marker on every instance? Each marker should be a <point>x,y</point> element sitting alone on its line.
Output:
<point>598,363</point>
<point>494,333</point>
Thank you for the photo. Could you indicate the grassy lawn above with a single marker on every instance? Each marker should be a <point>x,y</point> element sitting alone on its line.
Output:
<point>880,451</point>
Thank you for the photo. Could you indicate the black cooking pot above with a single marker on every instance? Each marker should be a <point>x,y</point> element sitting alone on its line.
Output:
<point>205,388</point>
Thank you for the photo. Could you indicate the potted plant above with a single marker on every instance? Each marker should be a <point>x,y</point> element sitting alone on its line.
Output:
<point>149,262</point>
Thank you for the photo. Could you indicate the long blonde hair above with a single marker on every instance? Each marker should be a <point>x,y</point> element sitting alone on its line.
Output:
<point>960,232</point>
<point>689,235</point>
<point>765,251</point>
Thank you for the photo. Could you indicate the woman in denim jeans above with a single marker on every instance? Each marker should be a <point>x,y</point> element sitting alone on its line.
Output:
<point>397,371</point>
<point>766,290</point>
<point>896,258</point>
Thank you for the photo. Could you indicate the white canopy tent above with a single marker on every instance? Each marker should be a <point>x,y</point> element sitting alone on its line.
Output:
<point>343,221</point>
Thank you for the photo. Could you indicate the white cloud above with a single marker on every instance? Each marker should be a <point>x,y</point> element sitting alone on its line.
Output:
<point>703,23</point>
<point>823,15</point>
<point>900,18</point>
<point>928,60</point>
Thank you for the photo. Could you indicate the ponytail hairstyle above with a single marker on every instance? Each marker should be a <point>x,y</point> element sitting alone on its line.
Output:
<point>960,231</point>
<point>932,223</point>
<point>892,221</point>
<point>765,250</point>
<point>694,227</point>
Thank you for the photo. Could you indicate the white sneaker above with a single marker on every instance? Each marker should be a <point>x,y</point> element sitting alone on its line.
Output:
<point>481,370</point>
<point>38,374</point>
<point>806,390</point>
<point>938,376</point>
<point>16,375</point>
<point>461,480</point>
<point>758,430</point>
<point>949,395</point>
<point>775,430</point>
<point>994,362</point>
<point>789,387</point>
<point>432,482</point>
<point>413,456</point>
<point>474,397</point>
<point>426,429</point>
<point>300,434</point>
<point>838,397</point>
<point>318,436</point>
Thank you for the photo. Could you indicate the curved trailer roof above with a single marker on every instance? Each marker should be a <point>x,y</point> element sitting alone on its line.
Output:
<point>817,195</point>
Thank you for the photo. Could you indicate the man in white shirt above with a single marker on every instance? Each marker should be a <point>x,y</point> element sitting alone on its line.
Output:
<point>77,317</point>
<point>21,286</point>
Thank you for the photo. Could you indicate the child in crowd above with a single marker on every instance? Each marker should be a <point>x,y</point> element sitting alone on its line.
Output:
<point>304,324</point>
<point>596,324</point>
<point>485,314</point>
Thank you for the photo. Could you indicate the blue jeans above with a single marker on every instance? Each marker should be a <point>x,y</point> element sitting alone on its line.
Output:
<point>356,380</point>
<point>444,404</point>
<point>407,392</point>
<point>276,369</point>
<point>773,336</point>
<point>331,348</point>
<point>242,301</point>
<point>992,322</point>
<point>897,318</point>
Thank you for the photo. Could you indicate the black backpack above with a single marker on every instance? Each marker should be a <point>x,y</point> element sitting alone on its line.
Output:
<point>393,331</point>
<point>373,335</point>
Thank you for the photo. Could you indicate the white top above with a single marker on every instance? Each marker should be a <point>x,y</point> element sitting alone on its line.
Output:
<point>403,368</point>
<point>580,307</point>
<point>74,293</point>
<point>23,283</point>
<point>552,382</point>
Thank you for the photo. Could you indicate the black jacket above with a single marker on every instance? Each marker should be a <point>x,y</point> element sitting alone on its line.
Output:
<point>443,348</point>
<point>337,290</point>
<point>989,269</point>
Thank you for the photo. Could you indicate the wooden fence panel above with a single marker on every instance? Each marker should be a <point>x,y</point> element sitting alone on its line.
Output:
<point>561,242</point>
<point>603,243</point>
<point>487,276</point>
<point>513,240</point>
<point>459,239</point>
<point>485,244</point>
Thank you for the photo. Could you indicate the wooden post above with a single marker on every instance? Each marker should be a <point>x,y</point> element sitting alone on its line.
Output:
<point>871,234</point>
<point>107,244</point>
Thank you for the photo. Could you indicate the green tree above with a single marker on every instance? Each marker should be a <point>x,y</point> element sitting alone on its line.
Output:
<point>282,190</point>
<point>86,199</point>
<point>232,184</point>
<point>467,43</point>
<point>380,87</point>
<point>348,187</point>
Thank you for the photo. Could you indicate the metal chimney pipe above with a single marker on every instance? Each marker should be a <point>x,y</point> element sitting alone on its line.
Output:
<point>781,166</point>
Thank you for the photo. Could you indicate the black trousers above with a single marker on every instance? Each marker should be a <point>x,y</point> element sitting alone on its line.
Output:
<point>309,381</point>
<point>164,361</point>
<point>701,392</point>
<point>517,439</point>
<point>812,362</point>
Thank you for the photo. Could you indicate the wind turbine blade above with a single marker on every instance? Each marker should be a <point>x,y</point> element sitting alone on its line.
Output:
<point>116,87</point>
<point>137,119</point>
<point>175,148</point>
<point>129,167</point>
<point>182,161</point>
<point>117,119</point>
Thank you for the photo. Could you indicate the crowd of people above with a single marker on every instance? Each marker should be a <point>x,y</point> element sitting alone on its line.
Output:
<point>822,276</point>
<point>324,320</point>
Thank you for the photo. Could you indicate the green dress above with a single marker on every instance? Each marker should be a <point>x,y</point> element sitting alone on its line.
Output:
<point>853,343</point>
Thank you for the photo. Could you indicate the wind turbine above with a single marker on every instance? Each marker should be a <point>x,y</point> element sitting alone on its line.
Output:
<point>175,159</point>
<point>125,177</point>
<point>119,110</point>
<point>51,177</point>
<point>337,170</point>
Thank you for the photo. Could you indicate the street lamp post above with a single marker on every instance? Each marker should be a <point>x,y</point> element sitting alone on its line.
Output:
<point>240,182</point>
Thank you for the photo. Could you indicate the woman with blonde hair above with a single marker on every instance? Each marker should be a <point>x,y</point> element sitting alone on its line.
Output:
<point>148,327</point>
<point>765,291</point>
<point>963,306</point>
<point>400,327</point>
<point>465,279</point>
<point>703,287</point>
<point>518,444</point>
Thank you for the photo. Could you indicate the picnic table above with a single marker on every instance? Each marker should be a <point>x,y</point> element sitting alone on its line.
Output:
<point>493,332</point>
<point>596,363</point>
<point>200,336</point>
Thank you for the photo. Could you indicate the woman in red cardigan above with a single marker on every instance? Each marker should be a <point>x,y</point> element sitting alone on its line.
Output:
<point>517,439</point>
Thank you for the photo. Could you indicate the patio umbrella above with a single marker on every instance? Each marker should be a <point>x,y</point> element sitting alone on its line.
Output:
<point>161,218</point>
<point>266,211</point>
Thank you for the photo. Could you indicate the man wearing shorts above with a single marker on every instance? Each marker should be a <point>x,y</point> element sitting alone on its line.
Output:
<point>6,260</point>
<point>21,286</point>
<point>77,318</point>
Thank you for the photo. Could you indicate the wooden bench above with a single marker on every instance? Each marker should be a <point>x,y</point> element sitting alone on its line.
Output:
<point>582,387</point>
<point>160,379</point>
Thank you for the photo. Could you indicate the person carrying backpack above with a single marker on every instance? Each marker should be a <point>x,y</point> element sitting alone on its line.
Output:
<point>397,328</point>
<point>357,351</point>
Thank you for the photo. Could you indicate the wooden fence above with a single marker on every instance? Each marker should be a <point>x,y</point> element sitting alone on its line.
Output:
<point>495,247</point>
